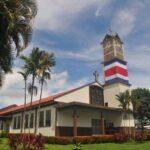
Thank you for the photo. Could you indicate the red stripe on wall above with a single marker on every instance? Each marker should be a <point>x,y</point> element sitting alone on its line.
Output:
<point>116,70</point>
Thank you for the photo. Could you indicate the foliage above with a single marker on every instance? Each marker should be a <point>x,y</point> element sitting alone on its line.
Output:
<point>140,137</point>
<point>141,105</point>
<point>123,137</point>
<point>26,142</point>
<point>80,139</point>
<point>58,140</point>
<point>15,30</point>
<point>77,146</point>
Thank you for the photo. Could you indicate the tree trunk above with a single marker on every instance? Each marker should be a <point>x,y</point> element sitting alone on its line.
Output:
<point>39,104</point>
<point>142,127</point>
<point>22,124</point>
<point>30,109</point>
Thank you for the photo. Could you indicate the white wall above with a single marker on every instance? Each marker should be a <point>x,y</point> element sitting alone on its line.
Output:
<point>47,131</point>
<point>65,118</point>
<point>81,95</point>
<point>110,92</point>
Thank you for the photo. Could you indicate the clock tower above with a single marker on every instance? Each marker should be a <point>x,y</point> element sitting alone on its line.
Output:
<point>115,69</point>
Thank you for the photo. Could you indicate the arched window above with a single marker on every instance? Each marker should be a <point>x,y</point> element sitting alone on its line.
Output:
<point>96,95</point>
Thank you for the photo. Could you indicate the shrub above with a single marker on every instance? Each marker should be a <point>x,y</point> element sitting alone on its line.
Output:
<point>121,137</point>
<point>26,141</point>
<point>79,139</point>
<point>140,137</point>
<point>93,139</point>
<point>148,137</point>
<point>58,140</point>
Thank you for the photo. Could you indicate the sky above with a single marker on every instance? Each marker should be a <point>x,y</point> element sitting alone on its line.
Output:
<point>73,31</point>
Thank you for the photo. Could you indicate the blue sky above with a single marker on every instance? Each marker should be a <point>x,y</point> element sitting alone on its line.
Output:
<point>73,30</point>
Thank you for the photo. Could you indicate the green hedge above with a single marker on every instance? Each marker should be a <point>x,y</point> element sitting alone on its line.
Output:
<point>91,139</point>
<point>80,139</point>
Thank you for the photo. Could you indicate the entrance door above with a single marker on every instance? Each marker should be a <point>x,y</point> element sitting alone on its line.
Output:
<point>96,126</point>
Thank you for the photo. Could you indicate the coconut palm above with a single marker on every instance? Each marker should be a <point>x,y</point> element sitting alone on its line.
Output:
<point>32,64</point>
<point>47,61</point>
<point>25,75</point>
<point>15,30</point>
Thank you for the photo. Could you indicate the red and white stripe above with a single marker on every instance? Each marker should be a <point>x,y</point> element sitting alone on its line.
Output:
<point>116,70</point>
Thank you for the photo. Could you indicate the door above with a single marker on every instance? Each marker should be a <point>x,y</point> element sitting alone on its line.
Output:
<point>96,126</point>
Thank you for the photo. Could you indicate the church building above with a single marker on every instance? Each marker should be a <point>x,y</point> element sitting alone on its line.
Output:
<point>90,109</point>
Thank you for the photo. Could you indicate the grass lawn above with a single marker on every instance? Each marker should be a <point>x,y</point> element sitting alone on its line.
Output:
<point>107,146</point>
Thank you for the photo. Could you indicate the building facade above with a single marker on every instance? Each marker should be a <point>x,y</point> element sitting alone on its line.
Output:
<point>87,110</point>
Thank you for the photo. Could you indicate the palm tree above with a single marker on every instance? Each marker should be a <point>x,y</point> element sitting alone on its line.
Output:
<point>124,99</point>
<point>25,75</point>
<point>47,61</point>
<point>15,30</point>
<point>32,64</point>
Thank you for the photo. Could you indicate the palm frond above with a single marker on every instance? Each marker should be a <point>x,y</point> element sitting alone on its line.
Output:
<point>32,89</point>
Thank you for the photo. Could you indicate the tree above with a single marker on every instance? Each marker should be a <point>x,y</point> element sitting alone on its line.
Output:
<point>32,65</point>
<point>25,75</point>
<point>124,99</point>
<point>47,61</point>
<point>15,30</point>
<point>140,98</point>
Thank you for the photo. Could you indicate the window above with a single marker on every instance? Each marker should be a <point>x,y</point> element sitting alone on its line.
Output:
<point>31,120</point>
<point>26,120</point>
<point>48,118</point>
<point>15,122</point>
<point>106,104</point>
<point>96,126</point>
<point>96,95</point>
<point>18,122</point>
<point>41,119</point>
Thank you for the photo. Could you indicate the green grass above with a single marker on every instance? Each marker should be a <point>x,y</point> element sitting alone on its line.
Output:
<point>106,146</point>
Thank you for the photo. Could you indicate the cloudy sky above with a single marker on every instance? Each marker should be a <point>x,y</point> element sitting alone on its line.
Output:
<point>73,30</point>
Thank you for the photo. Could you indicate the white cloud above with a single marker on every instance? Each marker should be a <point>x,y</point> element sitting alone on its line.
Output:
<point>87,54</point>
<point>13,92</point>
<point>58,15</point>
<point>138,62</point>
<point>124,20</point>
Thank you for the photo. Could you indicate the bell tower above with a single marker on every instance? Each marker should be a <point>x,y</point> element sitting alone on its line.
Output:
<point>115,69</point>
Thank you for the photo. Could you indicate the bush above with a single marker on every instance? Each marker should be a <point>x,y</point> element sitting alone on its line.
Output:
<point>121,137</point>
<point>93,139</point>
<point>148,137</point>
<point>26,141</point>
<point>140,137</point>
<point>79,139</point>
<point>58,140</point>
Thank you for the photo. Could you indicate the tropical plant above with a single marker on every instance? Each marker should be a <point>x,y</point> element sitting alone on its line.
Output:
<point>15,30</point>
<point>124,99</point>
<point>47,61</point>
<point>25,75</point>
<point>32,65</point>
<point>77,146</point>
